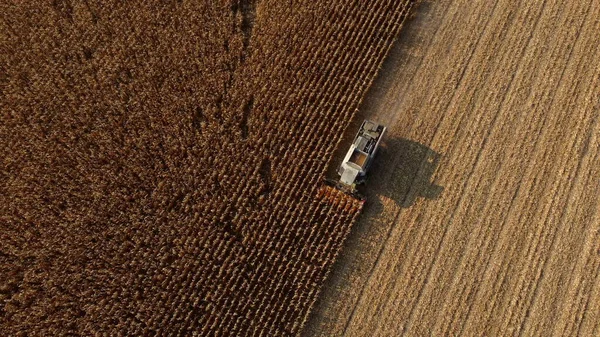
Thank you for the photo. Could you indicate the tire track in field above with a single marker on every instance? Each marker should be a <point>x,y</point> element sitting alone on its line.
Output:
<point>594,321</point>
<point>584,297</point>
<point>593,305</point>
<point>587,297</point>
<point>541,264</point>
<point>591,319</point>
<point>546,307</point>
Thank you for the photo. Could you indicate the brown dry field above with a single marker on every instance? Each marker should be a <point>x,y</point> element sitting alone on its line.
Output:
<point>498,104</point>
<point>162,162</point>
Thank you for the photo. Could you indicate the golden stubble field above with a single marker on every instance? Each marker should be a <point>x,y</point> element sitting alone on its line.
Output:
<point>483,216</point>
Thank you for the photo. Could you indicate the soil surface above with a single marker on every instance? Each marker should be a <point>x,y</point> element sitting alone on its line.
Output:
<point>483,212</point>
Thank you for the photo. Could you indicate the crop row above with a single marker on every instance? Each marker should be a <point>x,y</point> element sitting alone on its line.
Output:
<point>178,183</point>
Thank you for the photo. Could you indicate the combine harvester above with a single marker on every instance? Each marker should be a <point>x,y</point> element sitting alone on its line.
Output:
<point>357,161</point>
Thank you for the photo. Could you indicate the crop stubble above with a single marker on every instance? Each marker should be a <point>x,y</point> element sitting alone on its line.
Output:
<point>162,161</point>
<point>511,247</point>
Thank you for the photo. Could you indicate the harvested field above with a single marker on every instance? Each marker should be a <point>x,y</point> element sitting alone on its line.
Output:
<point>504,98</point>
<point>162,160</point>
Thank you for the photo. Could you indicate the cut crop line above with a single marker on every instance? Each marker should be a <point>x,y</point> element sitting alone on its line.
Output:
<point>582,309</point>
<point>553,245</point>
<point>596,329</point>
<point>461,200</point>
<point>582,250</point>
<point>589,294</point>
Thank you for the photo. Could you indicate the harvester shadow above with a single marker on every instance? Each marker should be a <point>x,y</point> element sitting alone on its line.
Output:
<point>402,171</point>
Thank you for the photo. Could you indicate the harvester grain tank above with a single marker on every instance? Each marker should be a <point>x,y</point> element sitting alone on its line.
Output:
<point>359,157</point>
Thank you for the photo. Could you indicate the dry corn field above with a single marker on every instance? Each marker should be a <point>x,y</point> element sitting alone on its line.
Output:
<point>162,166</point>
<point>162,161</point>
<point>498,103</point>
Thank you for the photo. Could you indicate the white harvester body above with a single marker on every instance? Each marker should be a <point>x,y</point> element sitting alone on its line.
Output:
<point>359,157</point>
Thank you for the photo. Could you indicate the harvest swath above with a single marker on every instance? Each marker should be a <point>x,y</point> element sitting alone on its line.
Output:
<point>163,161</point>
